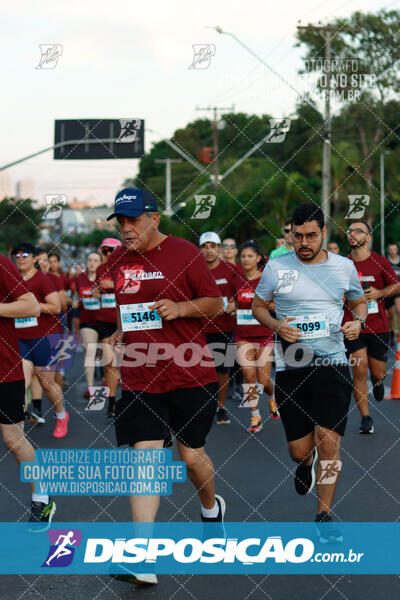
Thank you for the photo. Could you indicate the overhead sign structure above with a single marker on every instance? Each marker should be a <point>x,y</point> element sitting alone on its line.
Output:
<point>80,139</point>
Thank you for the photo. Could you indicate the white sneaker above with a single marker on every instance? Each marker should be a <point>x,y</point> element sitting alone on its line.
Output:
<point>148,578</point>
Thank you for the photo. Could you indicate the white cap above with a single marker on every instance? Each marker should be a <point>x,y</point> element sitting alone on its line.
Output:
<point>209,236</point>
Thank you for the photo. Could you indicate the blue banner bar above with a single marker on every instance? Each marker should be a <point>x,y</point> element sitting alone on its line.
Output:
<point>198,548</point>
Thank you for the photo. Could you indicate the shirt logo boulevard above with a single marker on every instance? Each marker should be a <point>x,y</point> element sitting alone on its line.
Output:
<point>129,279</point>
<point>286,280</point>
<point>246,295</point>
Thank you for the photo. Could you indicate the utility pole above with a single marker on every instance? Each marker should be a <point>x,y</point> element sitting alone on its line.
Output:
<point>215,138</point>
<point>327,32</point>
<point>168,205</point>
<point>382,178</point>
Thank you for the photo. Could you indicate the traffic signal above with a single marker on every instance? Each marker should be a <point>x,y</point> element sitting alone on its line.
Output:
<point>206,156</point>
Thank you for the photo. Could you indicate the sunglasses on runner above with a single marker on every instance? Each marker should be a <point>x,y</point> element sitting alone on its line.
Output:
<point>21,254</point>
<point>106,250</point>
<point>358,231</point>
<point>287,229</point>
<point>229,245</point>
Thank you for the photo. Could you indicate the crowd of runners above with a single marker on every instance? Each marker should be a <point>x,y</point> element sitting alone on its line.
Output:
<point>180,327</point>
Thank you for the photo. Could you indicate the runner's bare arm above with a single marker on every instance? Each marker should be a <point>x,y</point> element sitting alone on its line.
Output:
<point>52,304</point>
<point>63,300</point>
<point>26,305</point>
<point>359,308</point>
<point>390,290</point>
<point>260,310</point>
<point>192,309</point>
<point>118,336</point>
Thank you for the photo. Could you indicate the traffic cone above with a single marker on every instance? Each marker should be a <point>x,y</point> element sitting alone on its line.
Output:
<point>395,389</point>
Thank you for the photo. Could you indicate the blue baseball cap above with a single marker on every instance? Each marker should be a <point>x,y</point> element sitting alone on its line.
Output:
<point>133,202</point>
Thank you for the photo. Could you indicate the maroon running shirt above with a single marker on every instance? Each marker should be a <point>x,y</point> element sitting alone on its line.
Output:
<point>89,305</point>
<point>224,275</point>
<point>12,286</point>
<point>40,285</point>
<point>107,310</point>
<point>244,292</point>
<point>176,270</point>
<point>379,273</point>
<point>59,285</point>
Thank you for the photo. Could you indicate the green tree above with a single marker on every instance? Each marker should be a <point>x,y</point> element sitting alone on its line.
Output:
<point>19,222</point>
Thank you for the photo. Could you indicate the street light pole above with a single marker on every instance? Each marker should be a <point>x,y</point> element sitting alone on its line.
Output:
<point>168,203</point>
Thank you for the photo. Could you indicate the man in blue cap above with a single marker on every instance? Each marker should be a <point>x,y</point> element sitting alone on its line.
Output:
<point>163,290</point>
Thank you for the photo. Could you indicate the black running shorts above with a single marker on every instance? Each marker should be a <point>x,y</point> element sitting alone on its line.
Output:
<point>377,345</point>
<point>12,402</point>
<point>223,338</point>
<point>188,413</point>
<point>105,329</point>
<point>313,396</point>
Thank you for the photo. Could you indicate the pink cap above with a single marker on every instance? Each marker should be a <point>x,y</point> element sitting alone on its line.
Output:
<point>110,242</point>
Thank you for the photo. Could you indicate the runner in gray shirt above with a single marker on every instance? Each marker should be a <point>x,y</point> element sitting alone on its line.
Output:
<point>313,384</point>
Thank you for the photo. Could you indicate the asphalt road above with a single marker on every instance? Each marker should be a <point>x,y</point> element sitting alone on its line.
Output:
<point>255,476</point>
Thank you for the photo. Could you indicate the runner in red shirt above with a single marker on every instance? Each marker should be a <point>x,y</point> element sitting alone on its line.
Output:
<point>17,302</point>
<point>163,289</point>
<point>107,319</point>
<point>34,411</point>
<point>254,342</point>
<point>219,330</point>
<point>89,310</point>
<point>32,333</point>
<point>370,349</point>
<point>73,312</point>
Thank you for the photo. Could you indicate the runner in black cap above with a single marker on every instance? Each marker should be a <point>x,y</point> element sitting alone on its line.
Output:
<point>163,289</point>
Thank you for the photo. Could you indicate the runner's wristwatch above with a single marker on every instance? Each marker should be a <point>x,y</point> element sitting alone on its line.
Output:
<point>362,321</point>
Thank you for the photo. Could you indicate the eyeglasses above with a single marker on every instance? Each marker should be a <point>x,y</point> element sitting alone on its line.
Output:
<point>106,250</point>
<point>310,237</point>
<point>287,230</point>
<point>21,254</point>
<point>358,231</point>
<point>229,245</point>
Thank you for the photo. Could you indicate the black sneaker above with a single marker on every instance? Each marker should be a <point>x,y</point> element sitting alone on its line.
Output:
<point>128,577</point>
<point>34,415</point>
<point>367,425</point>
<point>111,410</point>
<point>222,417</point>
<point>304,478</point>
<point>327,532</point>
<point>41,516</point>
<point>378,390</point>
<point>221,513</point>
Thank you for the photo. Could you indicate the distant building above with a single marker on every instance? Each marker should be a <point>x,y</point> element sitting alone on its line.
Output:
<point>25,188</point>
<point>6,187</point>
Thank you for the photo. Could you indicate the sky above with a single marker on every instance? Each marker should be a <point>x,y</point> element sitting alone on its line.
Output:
<point>131,59</point>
